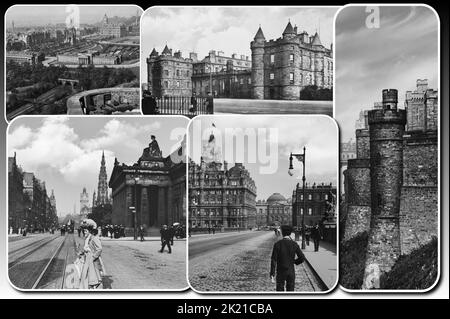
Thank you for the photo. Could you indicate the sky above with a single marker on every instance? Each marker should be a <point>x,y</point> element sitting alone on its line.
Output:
<point>43,15</point>
<point>65,152</point>
<point>367,60</point>
<point>276,137</point>
<point>228,29</point>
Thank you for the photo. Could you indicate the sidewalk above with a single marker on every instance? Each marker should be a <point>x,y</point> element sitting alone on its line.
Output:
<point>324,261</point>
<point>152,238</point>
<point>220,233</point>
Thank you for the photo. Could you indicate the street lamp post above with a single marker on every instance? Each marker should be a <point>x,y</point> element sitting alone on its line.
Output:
<point>301,158</point>
<point>136,180</point>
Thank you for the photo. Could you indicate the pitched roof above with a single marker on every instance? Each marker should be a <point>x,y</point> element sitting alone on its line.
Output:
<point>166,50</point>
<point>259,34</point>
<point>316,40</point>
<point>289,29</point>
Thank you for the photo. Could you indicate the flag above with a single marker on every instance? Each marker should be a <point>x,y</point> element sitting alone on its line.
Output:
<point>300,157</point>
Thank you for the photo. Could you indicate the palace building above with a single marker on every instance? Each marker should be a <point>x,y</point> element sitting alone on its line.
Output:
<point>277,69</point>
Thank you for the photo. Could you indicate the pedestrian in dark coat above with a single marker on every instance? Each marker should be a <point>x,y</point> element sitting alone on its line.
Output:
<point>165,239</point>
<point>193,107</point>
<point>171,234</point>
<point>283,260</point>
<point>142,232</point>
<point>316,235</point>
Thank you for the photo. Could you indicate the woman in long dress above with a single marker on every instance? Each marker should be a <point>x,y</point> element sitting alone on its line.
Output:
<point>91,273</point>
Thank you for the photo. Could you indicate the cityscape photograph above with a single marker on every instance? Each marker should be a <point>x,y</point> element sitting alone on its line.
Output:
<point>72,60</point>
<point>251,179</point>
<point>97,203</point>
<point>248,60</point>
<point>388,113</point>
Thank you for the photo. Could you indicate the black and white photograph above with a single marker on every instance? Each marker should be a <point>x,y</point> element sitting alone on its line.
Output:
<point>262,204</point>
<point>387,107</point>
<point>228,60</point>
<point>97,203</point>
<point>72,59</point>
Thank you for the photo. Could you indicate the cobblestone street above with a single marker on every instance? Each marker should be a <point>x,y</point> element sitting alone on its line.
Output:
<point>242,266</point>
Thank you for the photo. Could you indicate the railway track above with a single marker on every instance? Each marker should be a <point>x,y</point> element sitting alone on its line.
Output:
<point>50,269</point>
<point>21,253</point>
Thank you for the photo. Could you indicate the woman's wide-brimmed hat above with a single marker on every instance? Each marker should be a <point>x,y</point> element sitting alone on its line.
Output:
<point>89,223</point>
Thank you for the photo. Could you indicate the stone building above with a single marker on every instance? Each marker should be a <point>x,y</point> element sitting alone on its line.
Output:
<point>392,185</point>
<point>318,199</point>
<point>115,30</point>
<point>21,57</point>
<point>218,195</point>
<point>278,69</point>
<point>221,196</point>
<point>170,75</point>
<point>16,208</point>
<point>89,58</point>
<point>261,213</point>
<point>84,203</point>
<point>276,210</point>
<point>151,192</point>
<point>281,68</point>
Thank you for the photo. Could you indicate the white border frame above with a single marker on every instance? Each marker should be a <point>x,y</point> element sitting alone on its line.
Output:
<point>337,7</point>
<point>65,5</point>
<point>93,117</point>
<point>439,230</point>
<point>272,293</point>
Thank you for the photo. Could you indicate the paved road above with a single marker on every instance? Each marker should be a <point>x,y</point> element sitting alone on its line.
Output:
<point>247,106</point>
<point>200,244</point>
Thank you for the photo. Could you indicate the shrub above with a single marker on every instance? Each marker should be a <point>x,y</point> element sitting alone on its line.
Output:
<point>352,261</point>
<point>312,92</point>
<point>417,270</point>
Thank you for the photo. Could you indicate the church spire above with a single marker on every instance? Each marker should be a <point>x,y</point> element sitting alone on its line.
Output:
<point>102,190</point>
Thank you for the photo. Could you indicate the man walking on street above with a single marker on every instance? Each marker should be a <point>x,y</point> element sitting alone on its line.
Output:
<point>283,260</point>
<point>316,235</point>
<point>141,232</point>
<point>165,239</point>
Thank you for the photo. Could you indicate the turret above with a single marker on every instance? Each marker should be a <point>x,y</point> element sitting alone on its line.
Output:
<point>386,127</point>
<point>288,31</point>
<point>257,47</point>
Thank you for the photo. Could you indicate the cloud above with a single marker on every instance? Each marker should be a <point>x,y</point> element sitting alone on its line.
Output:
<point>56,146</point>
<point>402,50</point>
<point>227,29</point>
<point>120,132</point>
<point>19,137</point>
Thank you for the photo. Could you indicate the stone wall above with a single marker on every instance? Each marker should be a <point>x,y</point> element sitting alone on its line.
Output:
<point>357,190</point>
<point>418,216</point>
<point>362,143</point>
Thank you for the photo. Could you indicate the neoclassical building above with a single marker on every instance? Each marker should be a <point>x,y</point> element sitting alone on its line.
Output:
<point>275,211</point>
<point>153,188</point>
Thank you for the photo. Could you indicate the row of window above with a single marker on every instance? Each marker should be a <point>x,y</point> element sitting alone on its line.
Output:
<point>316,196</point>
<point>178,73</point>
<point>177,84</point>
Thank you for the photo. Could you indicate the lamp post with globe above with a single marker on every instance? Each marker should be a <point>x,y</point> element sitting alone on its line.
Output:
<point>301,158</point>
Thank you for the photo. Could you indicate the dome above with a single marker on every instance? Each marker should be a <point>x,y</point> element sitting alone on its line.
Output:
<point>276,198</point>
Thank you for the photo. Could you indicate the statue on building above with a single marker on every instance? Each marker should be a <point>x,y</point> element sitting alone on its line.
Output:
<point>152,151</point>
